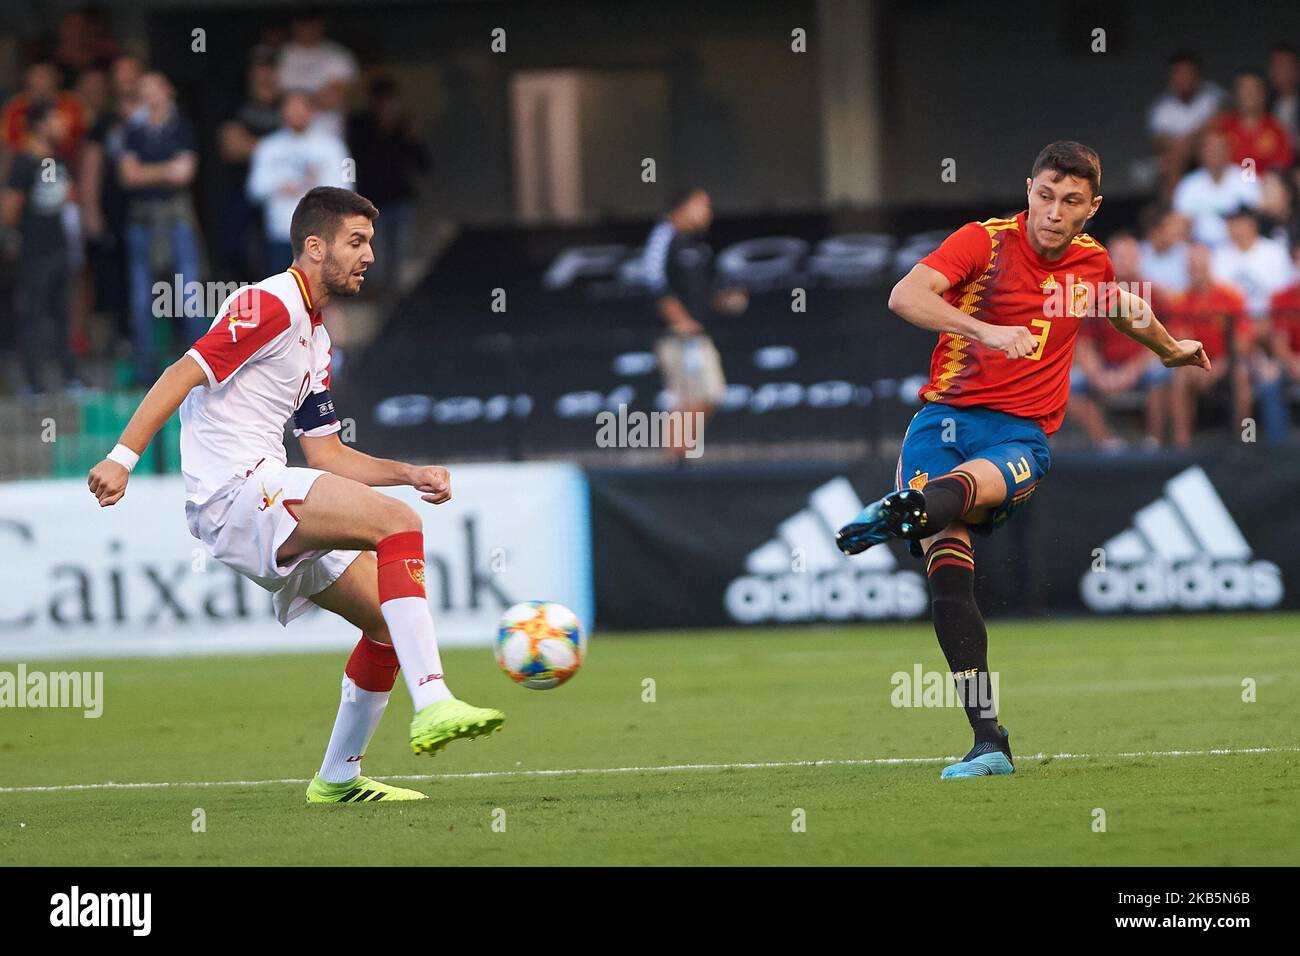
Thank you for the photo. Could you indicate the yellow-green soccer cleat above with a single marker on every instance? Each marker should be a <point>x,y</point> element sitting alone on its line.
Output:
<point>443,721</point>
<point>360,790</point>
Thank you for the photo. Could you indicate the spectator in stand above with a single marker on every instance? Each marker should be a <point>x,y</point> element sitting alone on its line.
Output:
<point>1215,314</point>
<point>103,201</point>
<point>1284,78</point>
<point>1178,116</point>
<point>83,39</point>
<point>1277,208</point>
<point>39,191</point>
<point>93,88</point>
<point>1254,135</point>
<point>1164,252</point>
<point>257,118</point>
<point>1259,268</point>
<point>388,155</point>
<point>157,168</point>
<point>323,69</point>
<point>1284,338</point>
<point>1107,362</point>
<point>1208,194</point>
<point>43,84</point>
<point>295,158</point>
<point>1256,265</point>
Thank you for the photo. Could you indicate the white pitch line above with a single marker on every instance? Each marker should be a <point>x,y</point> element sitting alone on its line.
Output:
<point>668,768</point>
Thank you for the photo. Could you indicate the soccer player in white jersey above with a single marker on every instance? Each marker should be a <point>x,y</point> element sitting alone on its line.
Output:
<point>317,535</point>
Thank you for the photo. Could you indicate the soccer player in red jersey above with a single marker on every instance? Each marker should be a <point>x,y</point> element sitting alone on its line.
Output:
<point>317,535</point>
<point>1006,297</point>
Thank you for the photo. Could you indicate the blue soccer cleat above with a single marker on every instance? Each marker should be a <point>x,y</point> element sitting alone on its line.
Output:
<point>984,760</point>
<point>900,514</point>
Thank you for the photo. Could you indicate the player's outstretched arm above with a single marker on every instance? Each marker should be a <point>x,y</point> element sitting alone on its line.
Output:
<point>328,453</point>
<point>918,298</point>
<point>108,479</point>
<point>1134,317</point>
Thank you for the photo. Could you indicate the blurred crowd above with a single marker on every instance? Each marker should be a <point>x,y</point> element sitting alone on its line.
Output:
<point>1218,254</point>
<point>98,163</point>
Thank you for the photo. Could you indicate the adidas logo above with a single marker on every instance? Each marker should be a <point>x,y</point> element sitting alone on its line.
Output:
<point>1184,551</point>
<point>801,576</point>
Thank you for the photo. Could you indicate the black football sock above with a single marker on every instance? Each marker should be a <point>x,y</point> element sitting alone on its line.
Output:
<point>947,498</point>
<point>950,566</point>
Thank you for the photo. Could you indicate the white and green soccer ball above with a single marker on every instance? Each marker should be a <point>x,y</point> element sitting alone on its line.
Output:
<point>540,644</point>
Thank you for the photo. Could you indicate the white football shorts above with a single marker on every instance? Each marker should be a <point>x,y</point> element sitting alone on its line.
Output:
<point>245,523</point>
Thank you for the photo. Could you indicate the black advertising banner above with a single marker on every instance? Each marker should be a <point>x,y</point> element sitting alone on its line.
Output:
<point>519,337</point>
<point>1169,533</point>
<point>724,545</point>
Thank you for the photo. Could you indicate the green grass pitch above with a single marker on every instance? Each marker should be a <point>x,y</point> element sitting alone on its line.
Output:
<point>1096,687</point>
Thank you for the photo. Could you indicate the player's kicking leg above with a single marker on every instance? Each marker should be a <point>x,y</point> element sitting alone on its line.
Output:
<point>913,514</point>
<point>383,595</point>
<point>959,626</point>
<point>949,503</point>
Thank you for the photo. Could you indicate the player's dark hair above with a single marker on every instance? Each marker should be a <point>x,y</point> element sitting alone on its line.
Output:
<point>321,212</point>
<point>1068,158</point>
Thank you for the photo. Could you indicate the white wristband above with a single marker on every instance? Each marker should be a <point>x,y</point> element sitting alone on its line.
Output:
<point>123,456</point>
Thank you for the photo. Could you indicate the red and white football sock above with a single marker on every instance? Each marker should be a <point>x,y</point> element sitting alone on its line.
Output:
<point>367,681</point>
<point>406,612</point>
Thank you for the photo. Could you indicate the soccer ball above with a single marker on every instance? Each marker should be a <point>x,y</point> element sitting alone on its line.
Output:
<point>540,644</point>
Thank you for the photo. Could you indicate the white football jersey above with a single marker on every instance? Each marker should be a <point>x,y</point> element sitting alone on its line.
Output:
<point>267,358</point>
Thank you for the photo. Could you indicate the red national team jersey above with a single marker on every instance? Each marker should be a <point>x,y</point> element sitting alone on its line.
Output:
<point>998,278</point>
<point>1284,314</point>
<point>1114,347</point>
<point>1206,314</point>
<point>1268,143</point>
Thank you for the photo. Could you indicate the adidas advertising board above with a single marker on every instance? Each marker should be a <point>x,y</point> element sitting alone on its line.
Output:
<point>725,546</point>
<point>800,575</point>
<point>722,545</point>
<point>1183,551</point>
